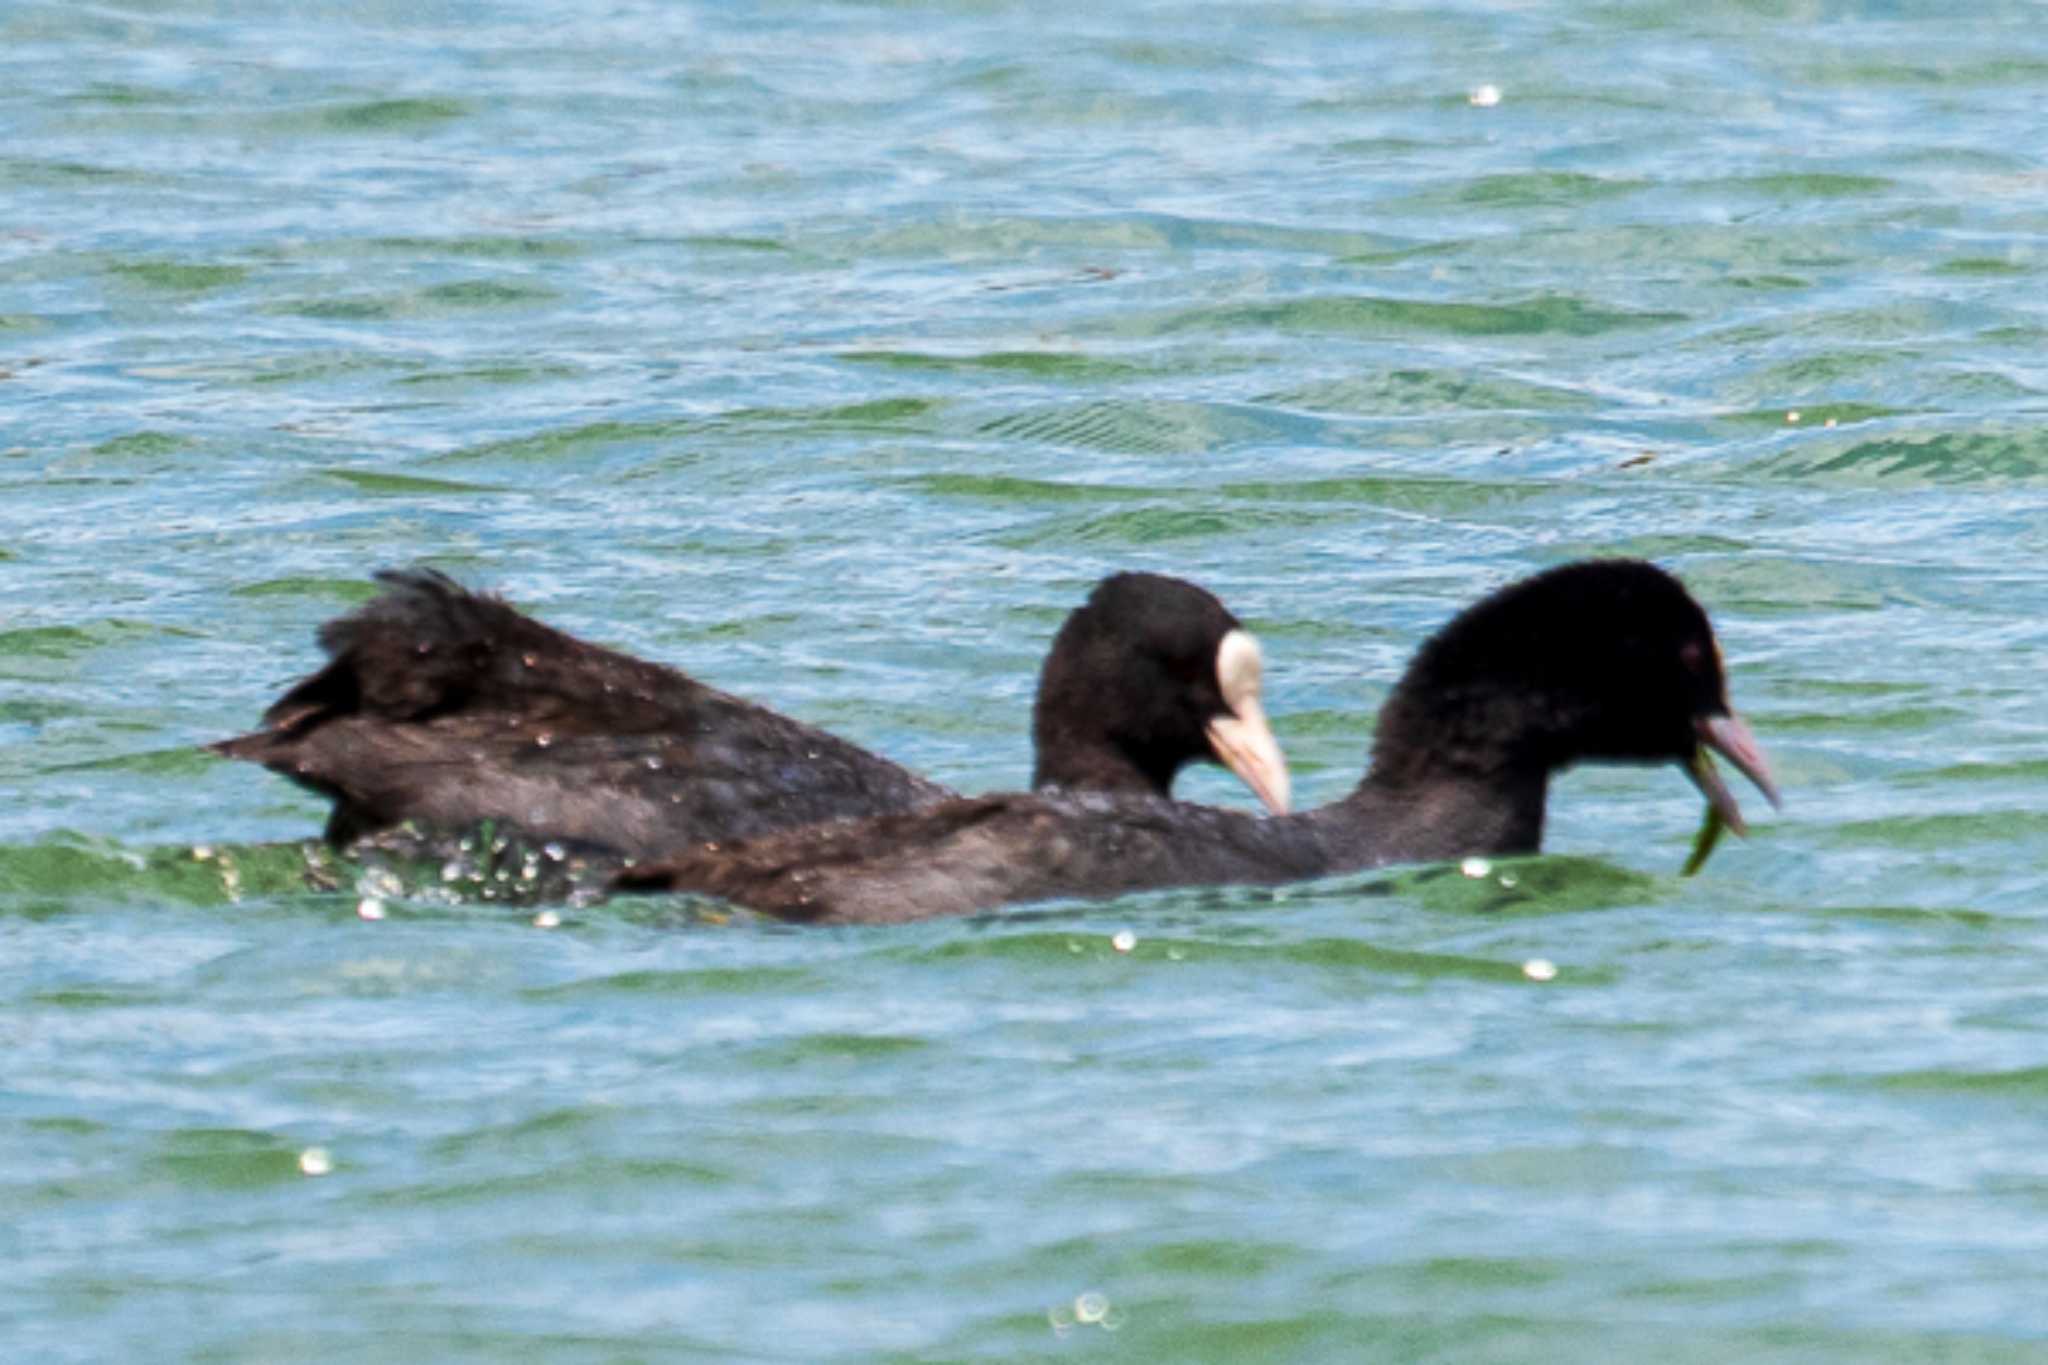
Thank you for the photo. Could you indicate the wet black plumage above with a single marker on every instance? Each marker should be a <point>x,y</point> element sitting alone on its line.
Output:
<point>443,708</point>
<point>1603,661</point>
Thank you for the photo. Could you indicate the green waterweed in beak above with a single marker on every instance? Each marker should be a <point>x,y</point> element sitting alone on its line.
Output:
<point>1711,823</point>
<point>1728,736</point>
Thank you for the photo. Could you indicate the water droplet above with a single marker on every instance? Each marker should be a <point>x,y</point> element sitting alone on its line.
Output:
<point>1124,941</point>
<point>1540,969</point>
<point>316,1161</point>
<point>201,853</point>
<point>1792,417</point>
<point>1091,1307</point>
<point>369,907</point>
<point>1484,96</point>
<point>547,919</point>
<point>1475,867</point>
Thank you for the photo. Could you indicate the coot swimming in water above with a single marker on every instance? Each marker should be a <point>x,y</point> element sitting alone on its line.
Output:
<point>1602,661</point>
<point>447,708</point>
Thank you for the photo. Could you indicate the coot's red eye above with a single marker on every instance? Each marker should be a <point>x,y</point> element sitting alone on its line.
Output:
<point>1693,656</point>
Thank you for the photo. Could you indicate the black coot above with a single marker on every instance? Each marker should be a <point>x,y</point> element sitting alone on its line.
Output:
<point>1604,661</point>
<point>444,708</point>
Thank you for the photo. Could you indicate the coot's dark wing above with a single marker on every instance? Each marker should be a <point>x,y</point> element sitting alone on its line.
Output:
<point>979,853</point>
<point>448,707</point>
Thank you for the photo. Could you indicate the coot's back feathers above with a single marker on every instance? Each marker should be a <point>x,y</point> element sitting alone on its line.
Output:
<point>1605,661</point>
<point>428,646</point>
<point>449,707</point>
<point>973,853</point>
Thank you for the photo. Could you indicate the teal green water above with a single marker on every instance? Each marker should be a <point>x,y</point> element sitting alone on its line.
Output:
<point>831,351</point>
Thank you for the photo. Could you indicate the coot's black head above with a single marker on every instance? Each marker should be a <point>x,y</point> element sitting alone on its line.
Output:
<point>1150,675</point>
<point>1603,660</point>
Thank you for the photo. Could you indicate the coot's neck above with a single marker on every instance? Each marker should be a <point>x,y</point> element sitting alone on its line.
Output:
<point>1460,765</point>
<point>1431,817</point>
<point>1076,767</point>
